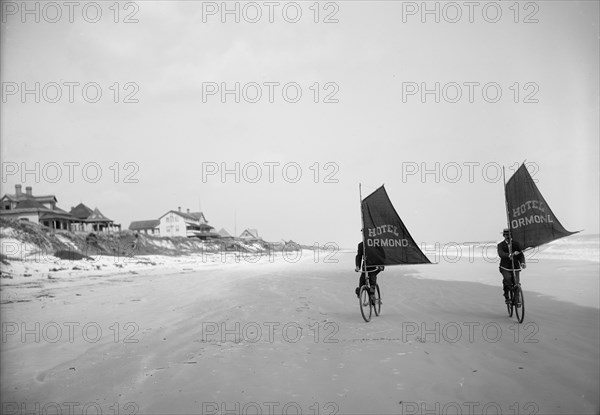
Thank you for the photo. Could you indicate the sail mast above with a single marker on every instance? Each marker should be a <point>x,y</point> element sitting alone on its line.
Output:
<point>509,226</point>
<point>362,230</point>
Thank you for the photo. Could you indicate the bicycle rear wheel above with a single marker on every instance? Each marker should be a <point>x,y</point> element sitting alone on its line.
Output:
<point>510,304</point>
<point>377,304</point>
<point>519,304</point>
<point>364,301</point>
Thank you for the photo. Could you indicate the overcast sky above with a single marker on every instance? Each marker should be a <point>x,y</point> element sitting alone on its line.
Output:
<point>371,61</point>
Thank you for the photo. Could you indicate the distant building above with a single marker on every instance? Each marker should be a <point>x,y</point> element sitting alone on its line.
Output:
<point>150,227</point>
<point>36,209</point>
<point>43,210</point>
<point>250,235</point>
<point>188,224</point>
<point>223,234</point>
<point>89,220</point>
<point>10,202</point>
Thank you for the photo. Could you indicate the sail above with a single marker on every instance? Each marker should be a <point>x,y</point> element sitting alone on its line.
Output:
<point>386,239</point>
<point>532,222</point>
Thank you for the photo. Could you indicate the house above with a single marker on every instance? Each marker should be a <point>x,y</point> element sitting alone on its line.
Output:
<point>81,211</point>
<point>89,220</point>
<point>37,209</point>
<point>150,227</point>
<point>206,231</point>
<point>223,234</point>
<point>187,224</point>
<point>100,223</point>
<point>250,235</point>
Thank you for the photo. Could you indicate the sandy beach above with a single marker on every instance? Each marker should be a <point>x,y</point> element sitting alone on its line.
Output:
<point>279,337</point>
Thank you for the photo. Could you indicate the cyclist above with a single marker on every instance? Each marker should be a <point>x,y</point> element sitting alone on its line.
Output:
<point>371,269</point>
<point>510,262</point>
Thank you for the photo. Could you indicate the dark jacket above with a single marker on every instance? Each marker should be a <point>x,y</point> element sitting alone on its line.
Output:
<point>359,258</point>
<point>505,261</point>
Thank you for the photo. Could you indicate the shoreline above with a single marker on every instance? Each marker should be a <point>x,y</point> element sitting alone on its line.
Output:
<point>580,284</point>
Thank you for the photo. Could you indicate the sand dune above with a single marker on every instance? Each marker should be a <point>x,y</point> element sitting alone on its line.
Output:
<point>288,338</point>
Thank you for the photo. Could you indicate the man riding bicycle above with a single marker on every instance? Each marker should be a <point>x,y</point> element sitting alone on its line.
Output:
<point>510,260</point>
<point>372,270</point>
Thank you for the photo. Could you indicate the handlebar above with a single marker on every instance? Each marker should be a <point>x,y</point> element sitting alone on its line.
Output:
<point>377,268</point>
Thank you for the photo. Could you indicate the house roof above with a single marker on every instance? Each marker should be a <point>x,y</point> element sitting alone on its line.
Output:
<point>81,211</point>
<point>139,225</point>
<point>184,215</point>
<point>224,234</point>
<point>97,216</point>
<point>252,232</point>
<point>30,203</point>
<point>23,196</point>
<point>57,214</point>
<point>199,216</point>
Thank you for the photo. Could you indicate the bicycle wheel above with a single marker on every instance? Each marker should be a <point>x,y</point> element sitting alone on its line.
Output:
<point>365,303</point>
<point>511,302</point>
<point>377,304</point>
<point>519,304</point>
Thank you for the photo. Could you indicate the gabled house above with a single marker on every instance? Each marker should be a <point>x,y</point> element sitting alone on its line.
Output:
<point>250,235</point>
<point>89,220</point>
<point>81,211</point>
<point>188,224</point>
<point>223,234</point>
<point>37,209</point>
<point>100,223</point>
<point>10,202</point>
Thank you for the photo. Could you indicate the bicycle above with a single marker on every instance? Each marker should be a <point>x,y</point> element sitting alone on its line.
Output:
<point>369,299</point>
<point>516,302</point>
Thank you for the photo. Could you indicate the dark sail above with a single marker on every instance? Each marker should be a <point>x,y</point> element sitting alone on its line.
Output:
<point>532,222</point>
<point>387,241</point>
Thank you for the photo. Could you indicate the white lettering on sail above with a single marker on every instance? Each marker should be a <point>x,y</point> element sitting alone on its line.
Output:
<point>530,204</point>
<point>380,230</point>
<point>515,223</point>
<point>387,243</point>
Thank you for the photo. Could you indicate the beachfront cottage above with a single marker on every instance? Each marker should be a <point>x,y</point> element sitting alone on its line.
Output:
<point>188,224</point>
<point>149,227</point>
<point>223,234</point>
<point>43,210</point>
<point>250,235</point>
<point>89,220</point>
<point>37,209</point>
<point>10,202</point>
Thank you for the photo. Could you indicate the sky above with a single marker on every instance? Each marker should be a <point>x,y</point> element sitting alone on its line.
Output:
<point>272,122</point>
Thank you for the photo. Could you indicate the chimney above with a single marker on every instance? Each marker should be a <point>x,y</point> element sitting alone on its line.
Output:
<point>179,208</point>
<point>18,189</point>
<point>28,191</point>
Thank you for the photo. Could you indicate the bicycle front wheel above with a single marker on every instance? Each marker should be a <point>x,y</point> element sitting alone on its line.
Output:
<point>519,304</point>
<point>365,303</point>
